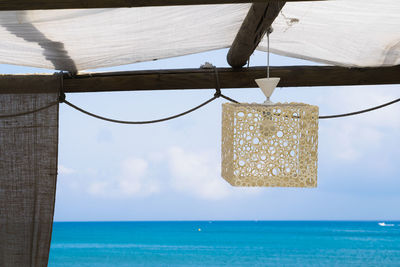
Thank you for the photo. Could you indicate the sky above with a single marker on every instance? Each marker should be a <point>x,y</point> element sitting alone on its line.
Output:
<point>171,170</point>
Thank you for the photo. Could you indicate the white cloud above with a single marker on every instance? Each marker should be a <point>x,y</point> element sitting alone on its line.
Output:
<point>134,180</point>
<point>192,173</point>
<point>65,170</point>
<point>156,157</point>
<point>352,138</point>
<point>197,173</point>
<point>349,141</point>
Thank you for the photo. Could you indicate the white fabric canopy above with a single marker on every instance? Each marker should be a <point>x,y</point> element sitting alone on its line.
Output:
<point>340,32</point>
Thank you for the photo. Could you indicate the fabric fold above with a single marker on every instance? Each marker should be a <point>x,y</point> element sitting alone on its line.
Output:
<point>28,175</point>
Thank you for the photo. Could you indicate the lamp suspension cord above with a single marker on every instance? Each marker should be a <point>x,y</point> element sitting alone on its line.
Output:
<point>268,32</point>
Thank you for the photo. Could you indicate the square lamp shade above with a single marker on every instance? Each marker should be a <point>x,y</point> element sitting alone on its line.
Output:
<point>270,145</point>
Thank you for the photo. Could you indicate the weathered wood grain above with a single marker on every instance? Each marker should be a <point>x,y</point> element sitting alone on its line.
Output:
<point>32,83</point>
<point>291,76</point>
<point>258,20</point>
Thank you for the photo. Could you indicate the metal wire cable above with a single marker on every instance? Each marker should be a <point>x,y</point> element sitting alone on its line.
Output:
<point>360,111</point>
<point>216,95</point>
<point>340,115</point>
<point>229,99</point>
<point>29,112</point>
<point>141,122</point>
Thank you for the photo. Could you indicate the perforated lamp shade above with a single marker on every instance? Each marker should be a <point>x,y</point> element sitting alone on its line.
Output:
<point>270,145</point>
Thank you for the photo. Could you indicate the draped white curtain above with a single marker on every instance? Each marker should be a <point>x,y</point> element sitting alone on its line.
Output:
<point>28,173</point>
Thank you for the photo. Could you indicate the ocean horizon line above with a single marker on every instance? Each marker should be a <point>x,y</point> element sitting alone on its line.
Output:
<point>225,243</point>
<point>120,221</point>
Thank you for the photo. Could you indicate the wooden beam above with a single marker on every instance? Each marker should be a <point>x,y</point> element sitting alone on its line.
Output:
<point>291,76</point>
<point>32,83</point>
<point>258,20</point>
<point>74,4</point>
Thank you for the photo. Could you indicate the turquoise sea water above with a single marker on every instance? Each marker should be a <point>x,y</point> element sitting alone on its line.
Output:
<point>221,243</point>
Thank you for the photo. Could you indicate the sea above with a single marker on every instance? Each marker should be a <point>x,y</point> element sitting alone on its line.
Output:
<point>226,243</point>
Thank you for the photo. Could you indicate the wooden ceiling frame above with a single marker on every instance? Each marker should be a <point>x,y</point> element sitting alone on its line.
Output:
<point>257,22</point>
<point>186,79</point>
<point>259,18</point>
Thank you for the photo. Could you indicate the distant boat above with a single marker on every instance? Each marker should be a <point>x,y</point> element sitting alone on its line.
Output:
<point>384,224</point>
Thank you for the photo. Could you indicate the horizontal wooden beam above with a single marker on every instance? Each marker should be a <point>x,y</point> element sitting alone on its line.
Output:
<point>77,4</point>
<point>31,83</point>
<point>258,20</point>
<point>291,76</point>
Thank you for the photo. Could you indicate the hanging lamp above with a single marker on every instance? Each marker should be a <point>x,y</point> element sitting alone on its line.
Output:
<point>269,144</point>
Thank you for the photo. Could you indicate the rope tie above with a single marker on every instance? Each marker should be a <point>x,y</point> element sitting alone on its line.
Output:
<point>61,96</point>
<point>217,86</point>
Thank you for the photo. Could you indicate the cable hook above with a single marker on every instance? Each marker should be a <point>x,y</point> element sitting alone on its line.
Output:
<point>217,85</point>
<point>61,94</point>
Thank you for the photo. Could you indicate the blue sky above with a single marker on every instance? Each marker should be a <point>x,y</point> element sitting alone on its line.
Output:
<point>171,170</point>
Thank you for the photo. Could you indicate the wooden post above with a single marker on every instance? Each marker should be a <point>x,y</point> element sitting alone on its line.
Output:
<point>258,20</point>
